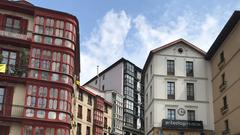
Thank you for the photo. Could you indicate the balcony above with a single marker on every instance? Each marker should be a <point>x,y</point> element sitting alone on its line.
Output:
<point>190,98</point>
<point>226,132</point>
<point>221,64</point>
<point>11,111</point>
<point>171,96</point>
<point>14,74</point>
<point>182,124</point>
<point>15,33</point>
<point>98,123</point>
<point>223,86</point>
<point>224,109</point>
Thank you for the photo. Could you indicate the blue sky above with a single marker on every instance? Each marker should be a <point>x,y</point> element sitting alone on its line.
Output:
<point>111,29</point>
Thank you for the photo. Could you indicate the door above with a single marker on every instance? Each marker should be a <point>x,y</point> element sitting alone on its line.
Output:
<point>4,130</point>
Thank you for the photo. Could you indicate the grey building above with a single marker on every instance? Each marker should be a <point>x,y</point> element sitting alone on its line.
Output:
<point>125,78</point>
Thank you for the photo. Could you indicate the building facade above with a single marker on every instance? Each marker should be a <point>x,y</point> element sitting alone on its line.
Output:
<point>92,113</point>
<point>125,78</point>
<point>177,89</point>
<point>40,48</point>
<point>224,55</point>
<point>83,108</point>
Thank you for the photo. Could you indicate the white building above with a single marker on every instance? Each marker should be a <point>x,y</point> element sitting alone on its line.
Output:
<point>177,90</point>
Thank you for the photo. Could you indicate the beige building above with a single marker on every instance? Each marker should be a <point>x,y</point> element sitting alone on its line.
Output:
<point>224,56</point>
<point>83,107</point>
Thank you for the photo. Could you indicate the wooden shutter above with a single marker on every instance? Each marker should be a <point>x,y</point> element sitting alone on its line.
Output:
<point>1,21</point>
<point>8,98</point>
<point>24,26</point>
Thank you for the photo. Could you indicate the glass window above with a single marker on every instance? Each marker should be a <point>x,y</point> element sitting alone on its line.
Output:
<point>191,115</point>
<point>52,115</point>
<point>189,68</point>
<point>44,75</point>
<point>50,131</point>
<point>48,40</point>
<point>12,25</point>
<point>59,32</point>
<point>41,114</point>
<point>171,90</point>
<point>68,44</point>
<point>171,114</point>
<point>29,112</point>
<point>170,67</point>
<point>39,20</point>
<point>28,130</point>
<point>190,91</point>
<point>62,116</point>
<point>55,66</point>
<point>48,31</point>
<point>39,29</point>
<point>39,131</point>
<point>9,58</point>
<point>38,38</point>
<point>55,77</point>
<point>58,41</point>
<point>1,98</point>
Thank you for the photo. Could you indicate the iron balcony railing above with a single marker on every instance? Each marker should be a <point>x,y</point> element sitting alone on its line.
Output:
<point>15,71</point>
<point>7,110</point>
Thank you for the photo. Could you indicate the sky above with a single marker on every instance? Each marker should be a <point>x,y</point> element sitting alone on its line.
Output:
<point>112,29</point>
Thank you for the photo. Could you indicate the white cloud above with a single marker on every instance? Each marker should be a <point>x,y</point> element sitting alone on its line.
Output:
<point>106,43</point>
<point>118,35</point>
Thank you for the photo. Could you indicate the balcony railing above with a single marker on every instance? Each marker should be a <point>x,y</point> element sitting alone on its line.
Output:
<point>15,111</point>
<point>20,71</point>
<point>15,33</point>
<point>226,132</point>
<point>170,96</point>
<point>191,98</point>
<point>223,86</point>
<point>224,109</point>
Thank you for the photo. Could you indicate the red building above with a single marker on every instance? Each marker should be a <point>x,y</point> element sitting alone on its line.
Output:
<point>98,116</point>
<point>40,48</point>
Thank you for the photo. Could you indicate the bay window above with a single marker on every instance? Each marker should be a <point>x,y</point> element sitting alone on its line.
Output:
<point>44,130</point>
<point>40,98</point>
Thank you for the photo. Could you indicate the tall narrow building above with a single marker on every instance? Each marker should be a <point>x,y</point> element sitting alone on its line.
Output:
<point>178,91</point>
<point>125,78</point>
<point>224,55</point>
<point>40,49</point>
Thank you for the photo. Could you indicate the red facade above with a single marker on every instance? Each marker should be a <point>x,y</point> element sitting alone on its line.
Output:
<point>51,53</point>
<point>98,116</point>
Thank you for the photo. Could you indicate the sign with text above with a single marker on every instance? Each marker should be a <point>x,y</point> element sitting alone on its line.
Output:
<point>182,124</point>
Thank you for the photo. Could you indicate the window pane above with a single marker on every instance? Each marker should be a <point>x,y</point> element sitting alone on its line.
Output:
<point>52,115</point>
<point>40,114</point>
<point>37,38</point>
<point>29,112</point>
<point>58,41</point>
<point>28,130</point>
<point>55,77</point>
<point>48,40</point>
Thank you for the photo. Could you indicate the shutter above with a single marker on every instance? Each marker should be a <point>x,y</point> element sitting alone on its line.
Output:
<point>1,21</point>
<point>24,25</point>
<point>8,100</point>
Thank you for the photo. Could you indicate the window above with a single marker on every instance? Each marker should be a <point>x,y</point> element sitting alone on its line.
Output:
<point>191,115</point>
<point>88,131</point>
<point>151,96</point>
<point>128,93</point>
<point>89,100</point>
<point>129,80</point>
<point>2,92</point>
<point>129,105</point>
<point>128,119</point>
<point>225,104</point>
<point>40,97</point>
<point>147,99</point>
<point>89,115</point>
<point>79,112</point>
<point>105,123</point>
<point>170,67</point>
<point>151,118</point>
<point>13,24</point>
<point>189,68</point>
<point>223,78</point>
<point>103,87</point>
<point>190,91</point>
<point>106,109</point>
<point>171,114</point>
<point>79,129</point>
<point>171,90</point>
<point>226,125</point>
<point>222,58</point>
<point>80,95</point>
<point>30,130</point>
<point>10,59</point>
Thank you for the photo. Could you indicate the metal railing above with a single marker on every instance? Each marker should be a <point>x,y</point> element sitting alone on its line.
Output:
<point>7,110</point>
<point>20,71</point>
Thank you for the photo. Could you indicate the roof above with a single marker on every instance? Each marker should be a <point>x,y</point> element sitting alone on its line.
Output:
<point>223,34</point>
<point>169,45</point>
<point>94,95</point>
<point>111,67</point>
